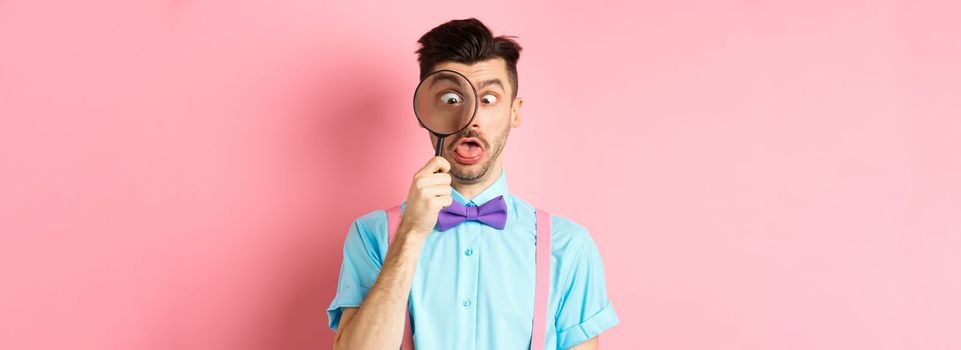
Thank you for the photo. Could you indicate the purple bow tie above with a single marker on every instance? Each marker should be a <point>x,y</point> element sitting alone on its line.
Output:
<point>493,214</point>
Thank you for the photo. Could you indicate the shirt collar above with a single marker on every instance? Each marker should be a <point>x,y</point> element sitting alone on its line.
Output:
<point>498,188</point>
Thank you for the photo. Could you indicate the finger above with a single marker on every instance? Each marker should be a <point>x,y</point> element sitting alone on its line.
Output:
<point>439,179</point>
<point>443,201</point>
<point>434,180</point>
<point>444,164</point>
<point>434,164</point>
<point>436,191</point>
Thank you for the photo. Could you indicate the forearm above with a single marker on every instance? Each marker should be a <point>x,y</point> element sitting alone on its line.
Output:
<point>590,344</point>
<point>379,322</point>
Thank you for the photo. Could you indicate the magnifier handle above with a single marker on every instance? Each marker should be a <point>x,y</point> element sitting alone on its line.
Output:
<point>439,149</point>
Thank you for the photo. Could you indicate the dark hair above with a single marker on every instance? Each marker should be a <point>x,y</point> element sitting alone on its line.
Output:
<point>467,41</point>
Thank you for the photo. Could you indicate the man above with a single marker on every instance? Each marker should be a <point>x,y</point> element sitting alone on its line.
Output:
<point>470,286</point>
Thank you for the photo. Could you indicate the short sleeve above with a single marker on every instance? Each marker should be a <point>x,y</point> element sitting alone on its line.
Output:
<point>585,311</point>
<point>359,269</point>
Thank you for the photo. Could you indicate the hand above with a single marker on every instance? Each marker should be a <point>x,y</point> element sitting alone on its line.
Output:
<point>429,193</point>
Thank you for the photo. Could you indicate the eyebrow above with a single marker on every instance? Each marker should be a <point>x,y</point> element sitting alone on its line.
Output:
<point>444,76</point>
<point>454,79</point>
<point>490,82</point>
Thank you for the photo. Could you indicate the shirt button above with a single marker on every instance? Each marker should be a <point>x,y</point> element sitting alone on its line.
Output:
<point>469,252</point>
<point>466,302</point>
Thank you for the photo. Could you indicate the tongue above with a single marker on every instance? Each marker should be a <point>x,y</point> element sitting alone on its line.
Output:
<point>468,150</point>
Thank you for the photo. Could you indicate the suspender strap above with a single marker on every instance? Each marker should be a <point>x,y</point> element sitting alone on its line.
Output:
<point>541,284</point>
<point>393,222</point>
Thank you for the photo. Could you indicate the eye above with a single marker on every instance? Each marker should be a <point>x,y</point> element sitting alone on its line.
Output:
<point>489,99</point>
<point>450,98</point>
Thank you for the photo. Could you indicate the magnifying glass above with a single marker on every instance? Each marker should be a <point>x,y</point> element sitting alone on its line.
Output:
<point>445,103</point>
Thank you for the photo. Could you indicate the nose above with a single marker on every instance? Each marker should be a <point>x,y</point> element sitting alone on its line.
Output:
<point>476,122</point>
<point>473,128</point>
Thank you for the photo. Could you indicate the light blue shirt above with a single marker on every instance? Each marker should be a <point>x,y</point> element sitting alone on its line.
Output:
<point>474,284</point>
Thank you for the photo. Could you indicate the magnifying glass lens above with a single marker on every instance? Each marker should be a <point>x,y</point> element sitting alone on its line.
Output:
<point>445,102</point>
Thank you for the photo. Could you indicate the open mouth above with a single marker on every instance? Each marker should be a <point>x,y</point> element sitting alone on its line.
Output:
<point>468,150</point>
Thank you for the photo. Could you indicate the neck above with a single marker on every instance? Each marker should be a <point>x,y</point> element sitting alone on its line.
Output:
<point>471,190</point>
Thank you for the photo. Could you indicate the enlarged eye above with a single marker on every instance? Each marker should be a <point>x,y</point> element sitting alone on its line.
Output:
<point>451,98</point>
<point>489,99</point>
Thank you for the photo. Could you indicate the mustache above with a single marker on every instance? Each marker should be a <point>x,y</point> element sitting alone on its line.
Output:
<point>470,133</point>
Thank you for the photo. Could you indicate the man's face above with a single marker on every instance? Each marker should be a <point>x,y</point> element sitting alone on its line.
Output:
<point>474,151</point>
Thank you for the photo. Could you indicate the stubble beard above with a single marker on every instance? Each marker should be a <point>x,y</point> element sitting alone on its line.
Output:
<point>471,174</point>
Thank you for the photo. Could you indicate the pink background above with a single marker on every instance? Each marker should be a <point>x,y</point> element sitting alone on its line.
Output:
<point>180,174</point>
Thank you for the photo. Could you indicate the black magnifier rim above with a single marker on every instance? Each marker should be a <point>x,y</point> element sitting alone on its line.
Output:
<point>473,89</point>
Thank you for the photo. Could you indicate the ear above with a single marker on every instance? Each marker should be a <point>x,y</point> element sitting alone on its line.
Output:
<point>516,112</point>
